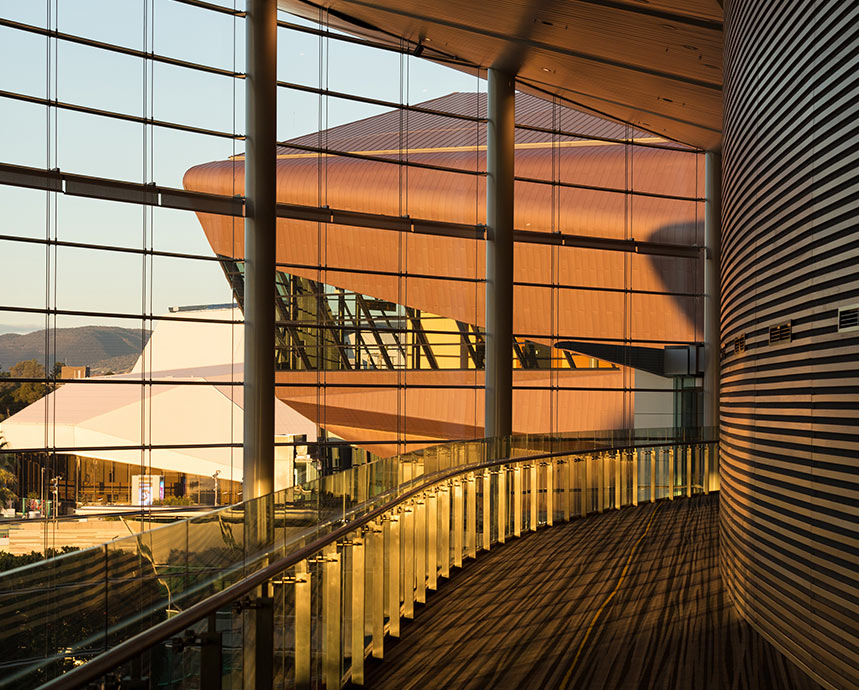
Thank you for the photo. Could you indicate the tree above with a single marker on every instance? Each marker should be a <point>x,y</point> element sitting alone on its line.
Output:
<point>27,392</point>
<point>6,390</point>
<point>8,480</point>
<point>15,396</point>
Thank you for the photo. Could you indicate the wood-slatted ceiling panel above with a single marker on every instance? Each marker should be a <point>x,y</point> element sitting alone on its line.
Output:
<point>657,66</point>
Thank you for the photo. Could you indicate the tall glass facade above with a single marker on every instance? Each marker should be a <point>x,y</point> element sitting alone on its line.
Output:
<point>122,177</point>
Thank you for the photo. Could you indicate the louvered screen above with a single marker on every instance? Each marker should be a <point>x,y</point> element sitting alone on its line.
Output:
<point>790,442</point>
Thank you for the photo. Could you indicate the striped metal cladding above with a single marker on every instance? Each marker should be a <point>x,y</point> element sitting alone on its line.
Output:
<point>789,397</point>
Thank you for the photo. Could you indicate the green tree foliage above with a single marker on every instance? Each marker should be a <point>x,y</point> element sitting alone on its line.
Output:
<point>8,480</point>
<point>15,396</point>
<point>10,562</point>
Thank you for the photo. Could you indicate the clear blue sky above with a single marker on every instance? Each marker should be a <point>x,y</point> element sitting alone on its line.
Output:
<point>103,147</point>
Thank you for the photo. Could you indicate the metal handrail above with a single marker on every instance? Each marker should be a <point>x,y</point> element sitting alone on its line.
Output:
<point>124,651</point>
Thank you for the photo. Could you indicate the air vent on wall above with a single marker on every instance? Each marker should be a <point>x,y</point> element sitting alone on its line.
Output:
<point>848,318</point>
<point>740,344</point>
<point>780,332</point>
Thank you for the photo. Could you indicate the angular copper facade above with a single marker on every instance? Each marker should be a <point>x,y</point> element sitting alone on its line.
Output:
<point>604,294</point>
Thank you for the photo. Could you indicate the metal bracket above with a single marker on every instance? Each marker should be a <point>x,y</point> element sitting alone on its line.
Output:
<point>251,604</point>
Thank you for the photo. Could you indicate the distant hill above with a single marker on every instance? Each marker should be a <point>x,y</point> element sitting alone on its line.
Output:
<point>99,347</point>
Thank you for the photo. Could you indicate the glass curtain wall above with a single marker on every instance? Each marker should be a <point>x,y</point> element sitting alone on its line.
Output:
<point>122,180</point>
<point>121,342</point>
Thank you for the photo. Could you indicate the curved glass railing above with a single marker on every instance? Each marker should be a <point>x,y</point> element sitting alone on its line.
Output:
<point>311,568</point>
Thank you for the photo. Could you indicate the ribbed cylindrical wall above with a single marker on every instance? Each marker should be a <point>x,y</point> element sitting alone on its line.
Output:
<point>790,370</point>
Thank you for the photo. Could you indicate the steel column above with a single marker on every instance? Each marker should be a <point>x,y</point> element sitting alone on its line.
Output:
<point>259,304</point>
<point>260,233</point>
<point>499,254</point>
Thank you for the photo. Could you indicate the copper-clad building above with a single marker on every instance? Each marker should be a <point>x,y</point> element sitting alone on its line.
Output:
<point>602,189</point>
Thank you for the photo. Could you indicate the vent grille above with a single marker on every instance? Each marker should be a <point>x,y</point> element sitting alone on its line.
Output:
<point>740,344</point>
<point>848,318</point>
<point>780,332</point>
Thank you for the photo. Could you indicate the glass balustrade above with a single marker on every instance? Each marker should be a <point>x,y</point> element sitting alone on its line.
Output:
<point>346,557</point>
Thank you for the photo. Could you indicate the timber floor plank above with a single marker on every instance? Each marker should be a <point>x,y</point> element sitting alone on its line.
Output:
<point>630,599</point>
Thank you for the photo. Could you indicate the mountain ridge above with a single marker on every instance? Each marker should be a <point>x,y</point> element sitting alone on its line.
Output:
<point>82,346</point>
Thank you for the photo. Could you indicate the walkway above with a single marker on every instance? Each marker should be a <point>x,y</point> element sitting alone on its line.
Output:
<point>628,599</point>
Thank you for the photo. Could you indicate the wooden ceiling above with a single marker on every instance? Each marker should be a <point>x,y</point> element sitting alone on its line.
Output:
<point>656,64</point>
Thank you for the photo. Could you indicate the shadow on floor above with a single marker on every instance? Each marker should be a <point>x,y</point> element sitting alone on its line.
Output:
<point>627,599</point>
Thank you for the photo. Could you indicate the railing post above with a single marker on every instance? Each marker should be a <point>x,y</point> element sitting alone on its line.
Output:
<point>705,479</point>
<point>601,483</point>
<point>487,509</point>
<point>502,504</point>
<point>517,500</point>
<point>407,521</point>
<point>358,612</point>
<point>550,492</point>
<point>332,649</point>
<point>302,626</point>
<point>689,451</point>
<point>421,549</point>
<point>671,473</point>
<point>653,454</point>
<point>363,483</point>
<point>444,529</point>
<point>432,539</point>
<point>535,494</point>
<point>458,517</point>
<point>471,515</point>
<point>394,575</point>
<point>618,480</point>
<point>377,612</point>
<point>635,477</point>
<point>566,472</point>
<point>586,491</point>
<point>211,656</point>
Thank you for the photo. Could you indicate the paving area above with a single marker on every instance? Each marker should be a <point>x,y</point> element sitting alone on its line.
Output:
<point>628,599</point>
<point>32,535</point>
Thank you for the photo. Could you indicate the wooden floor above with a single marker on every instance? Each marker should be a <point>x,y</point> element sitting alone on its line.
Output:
<point>627,599</point>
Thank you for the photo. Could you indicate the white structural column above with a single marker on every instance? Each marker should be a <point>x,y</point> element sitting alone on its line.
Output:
<point>500,141</point>
<point>712,290</point>
<point>260,228</point>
